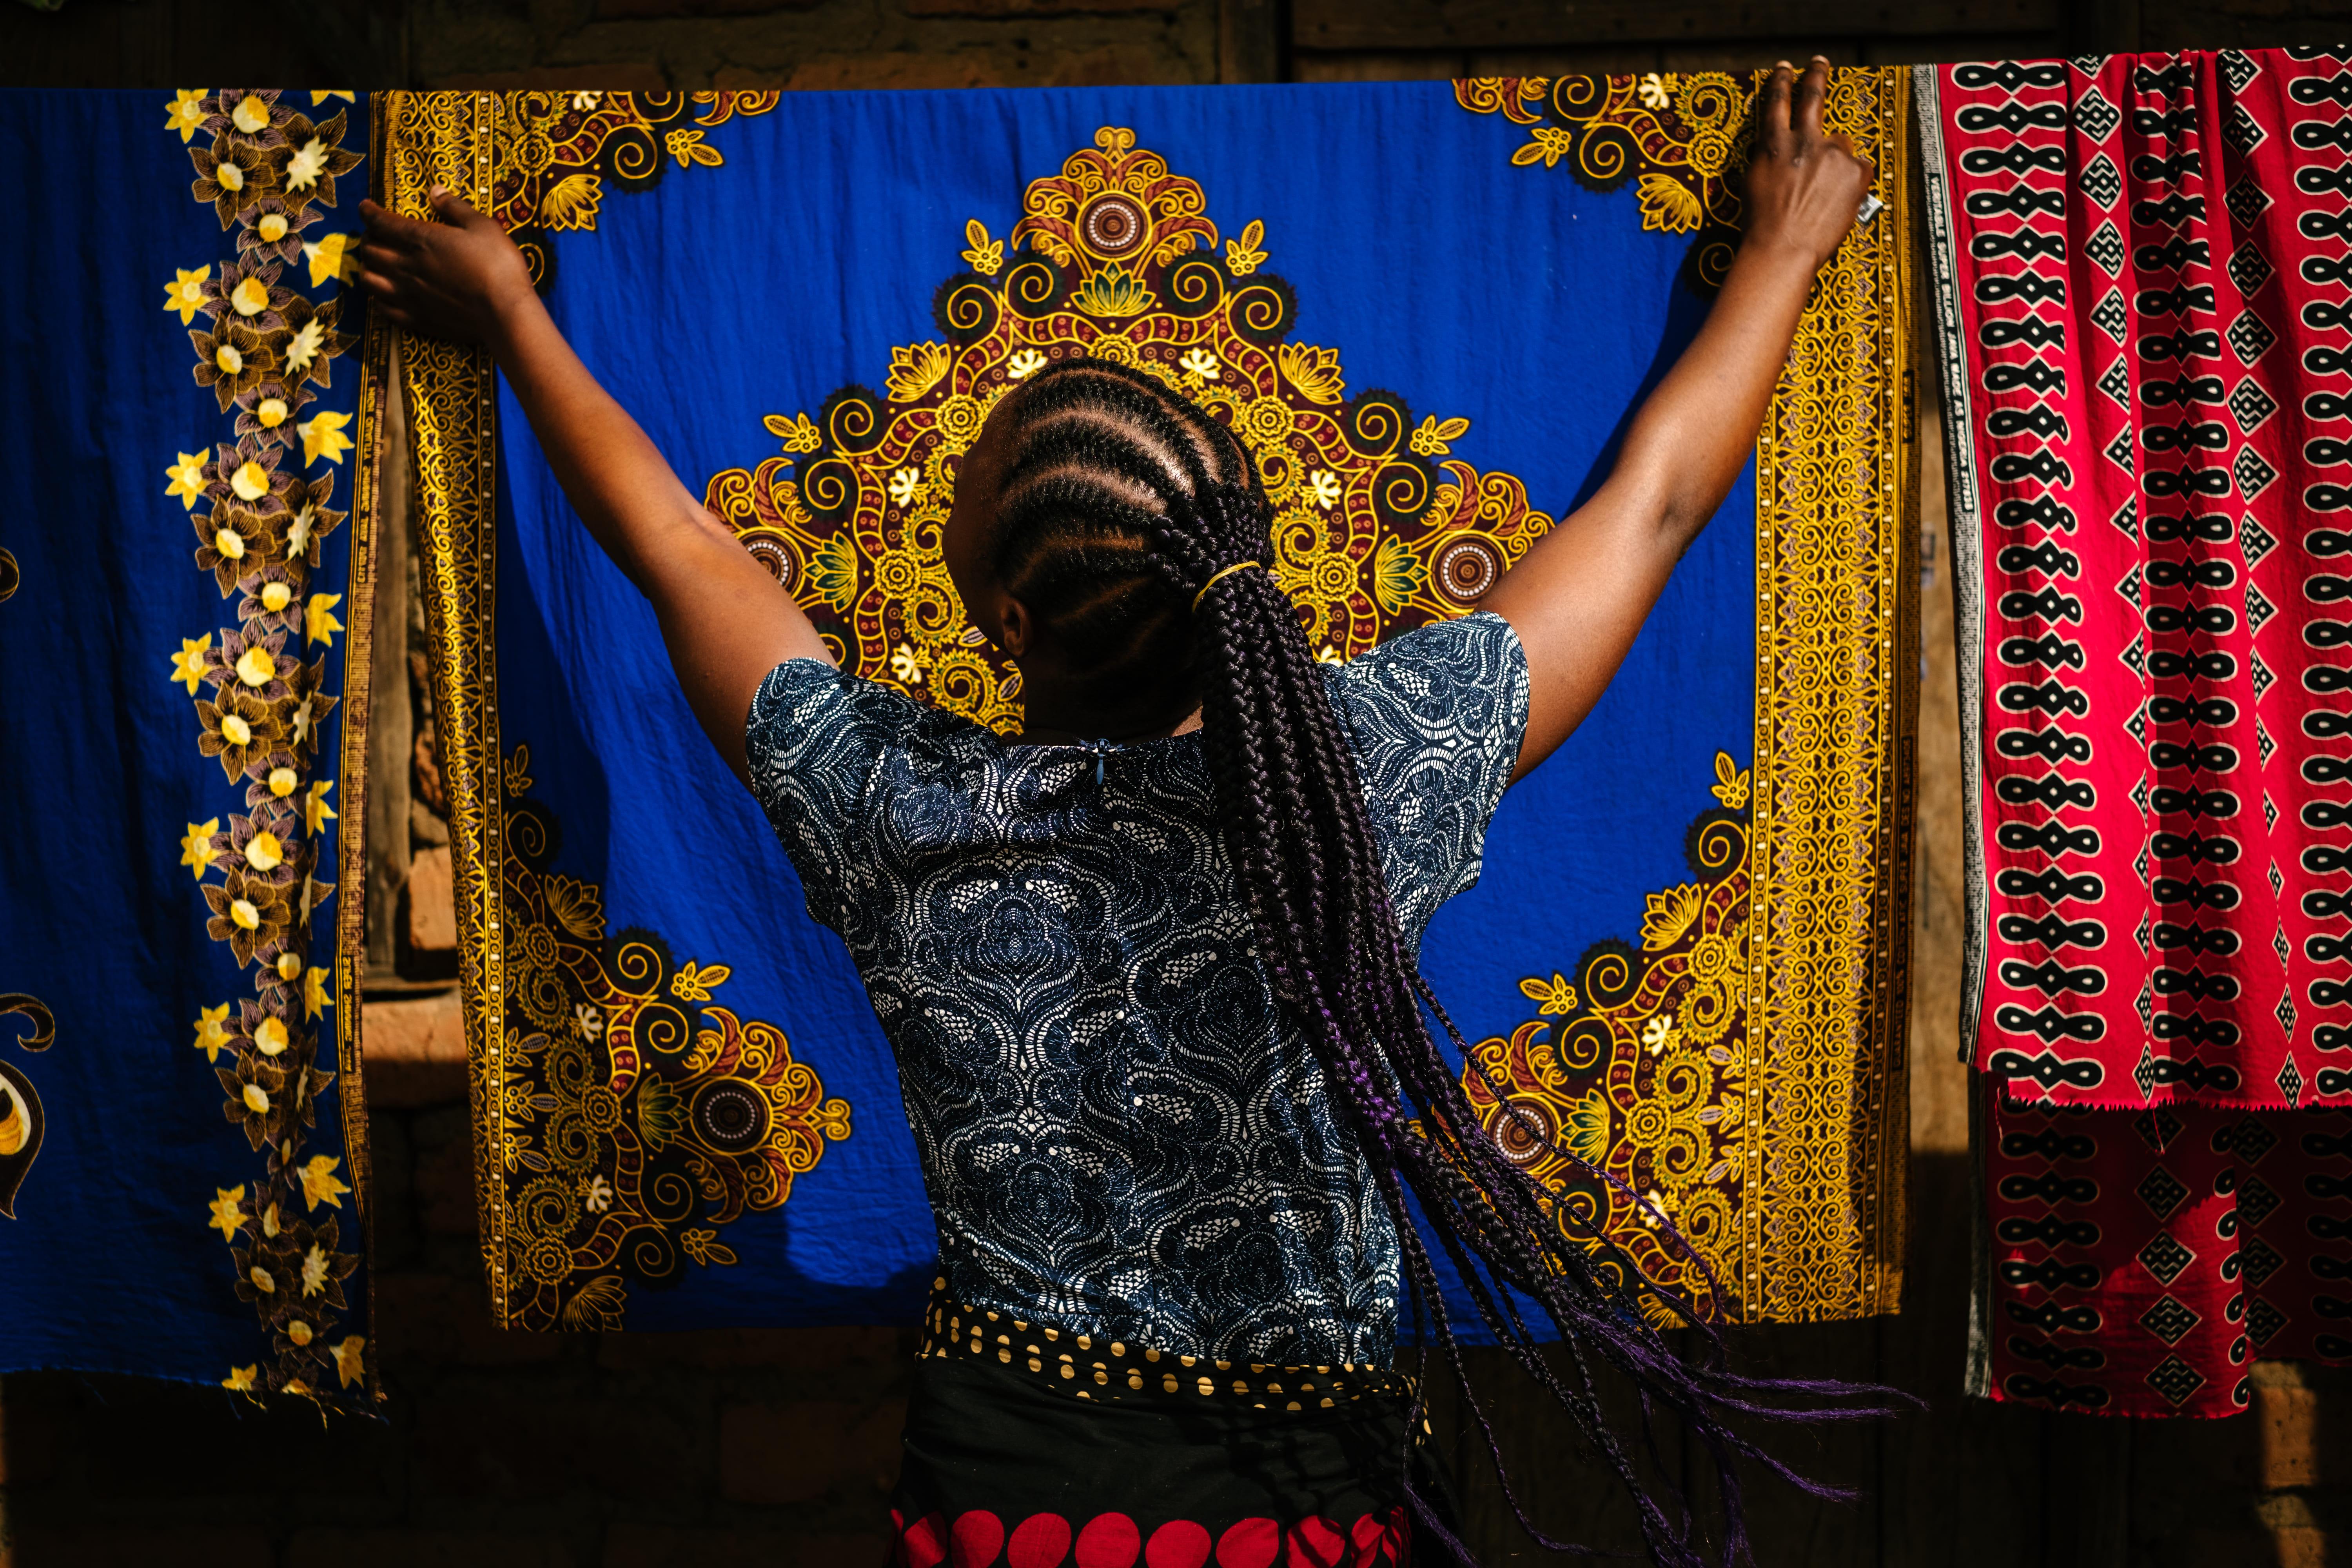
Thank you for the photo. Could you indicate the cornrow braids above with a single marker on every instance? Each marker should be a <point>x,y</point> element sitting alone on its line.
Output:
<point>1121,504</point>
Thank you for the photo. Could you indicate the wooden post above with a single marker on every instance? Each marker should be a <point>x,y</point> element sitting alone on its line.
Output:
<point>1252,40</point>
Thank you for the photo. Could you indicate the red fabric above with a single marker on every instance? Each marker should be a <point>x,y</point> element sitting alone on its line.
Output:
<point>2151,261</point>
<point>2140,1260</point>
<point>2142,274</point>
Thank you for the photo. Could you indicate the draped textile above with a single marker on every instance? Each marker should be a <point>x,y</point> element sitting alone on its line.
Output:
<point>1684,961</point>
<point>2141,265</point>
<point>181,1147</point>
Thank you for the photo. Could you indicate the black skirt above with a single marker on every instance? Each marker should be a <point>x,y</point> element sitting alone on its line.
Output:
<point>1029,1447</point>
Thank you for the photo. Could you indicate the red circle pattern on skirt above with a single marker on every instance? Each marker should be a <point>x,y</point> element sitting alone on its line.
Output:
<point>978,1539</point>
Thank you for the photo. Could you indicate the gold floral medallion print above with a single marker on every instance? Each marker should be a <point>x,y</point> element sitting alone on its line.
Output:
<point>638,1115</point>
<point>1378,524</point>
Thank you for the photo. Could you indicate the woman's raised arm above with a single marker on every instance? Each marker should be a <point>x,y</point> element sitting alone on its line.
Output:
<point>726,621</point>
<point>1578,597</point>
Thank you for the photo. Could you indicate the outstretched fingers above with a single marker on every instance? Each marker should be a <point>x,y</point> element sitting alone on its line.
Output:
<point>1772,109</point>
<point>1811,88</point>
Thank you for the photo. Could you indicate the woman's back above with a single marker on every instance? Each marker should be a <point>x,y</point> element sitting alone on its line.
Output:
<point>1121,1132</point>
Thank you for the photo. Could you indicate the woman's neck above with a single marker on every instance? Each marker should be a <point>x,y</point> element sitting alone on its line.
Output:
<point>1051,717</point>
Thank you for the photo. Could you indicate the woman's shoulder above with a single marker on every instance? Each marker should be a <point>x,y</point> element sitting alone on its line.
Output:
<point>1475,661</point>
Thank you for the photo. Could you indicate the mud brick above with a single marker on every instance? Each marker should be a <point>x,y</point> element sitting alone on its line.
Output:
<point>633,76</point>
<point>444,1188</point>
<point>518,1445</point>
<point>784,1452</point>
<point>415,1547</point>
<point>432,903</point>
<point>415,1050</point>
<point>431,1319</point>
<point>738,1350</point>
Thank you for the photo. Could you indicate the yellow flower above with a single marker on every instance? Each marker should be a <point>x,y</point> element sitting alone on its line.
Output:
<point>289,967</point>
<point>263,1279</point>
<point>185,293</point>
<point>319,624</point>
<point>1200,361</point>
<point>229,176</point>
<point>299,1331</point>
<point>904,666</point>
<point>230,543</point>
<point>302,170</point>
<point>1656,91</point>
<point>986,255</point>
<point>797,433</point>
<point>584,100</point>
<point>244,914</point>
<point>256,665</point>
<point>1242,255</point>
<point>257,1099</point>
<point>1660,1032</point>
<point>276,596</point>
<point>1547,144</point>
<point>241,1379</point>
<point>1668,206</point>
<point>251,482</point>
<point>187,477</point>
<point>249,298</point>
<point>264,852</point>
<point>250,115</point>
<point>315,999</point>
<point>688,148</point>
<point>197,848</point>
<point>283,781</point>
<point>269,1037</point>
<point>1730,784</point>
<point>1314,371</point>
<point>907,486</point>
<point>693,985</point>
<point>1114,291</point>
<point>331,257</point>
<point>1024,363</point>
<point>185,112</point>
<point>1668,914</point>
<point>1323,489</point>
<point>915,368</point>
<point>272,228</point>
<point>316,811</point>
<point>323,437</point>
<point>297,532</point>
<point>211,1039</point>
<point>235,730</point>
<point>304,346</point>
<point>271,412</point>
<point>229,1210</point>
<point>572,203</point>
<point>228,359</point>
<point>1558,996</point>
<point>595,1193</point>
<point>314,1270</point>
<point>188,664</point>
<point>1430,439</point>
<point>351,1364</point>
<point>320,95</point>
<point>319,1184</point>
<point>270,1224</point>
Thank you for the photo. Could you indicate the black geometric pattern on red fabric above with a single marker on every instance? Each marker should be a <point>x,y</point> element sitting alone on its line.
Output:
<point>2142,266</point>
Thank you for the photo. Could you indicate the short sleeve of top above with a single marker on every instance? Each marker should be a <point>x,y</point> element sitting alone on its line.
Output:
<point>1435,718</point>
<point>816,740</point>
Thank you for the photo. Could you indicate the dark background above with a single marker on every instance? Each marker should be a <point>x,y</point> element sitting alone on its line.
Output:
<point>775,1448</point>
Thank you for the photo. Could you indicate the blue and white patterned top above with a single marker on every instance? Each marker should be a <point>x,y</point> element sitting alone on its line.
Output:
<point>1120,1131</point>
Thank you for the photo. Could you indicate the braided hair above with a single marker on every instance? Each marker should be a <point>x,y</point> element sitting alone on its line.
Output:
<point>1125,516</point>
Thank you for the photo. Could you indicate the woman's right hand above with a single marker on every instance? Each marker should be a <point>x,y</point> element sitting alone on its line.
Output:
<point>458,279</point>
<point>1803,187</point>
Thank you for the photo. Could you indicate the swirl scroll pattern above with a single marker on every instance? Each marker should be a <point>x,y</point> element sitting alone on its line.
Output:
<point>1378,526</point>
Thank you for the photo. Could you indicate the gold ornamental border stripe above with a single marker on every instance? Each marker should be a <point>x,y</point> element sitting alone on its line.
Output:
<point>1827,1125</point>
<point>451,139</point>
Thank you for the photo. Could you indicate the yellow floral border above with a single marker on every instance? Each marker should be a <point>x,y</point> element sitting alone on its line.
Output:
<point>268,170</point>
<point>1817,1197</point>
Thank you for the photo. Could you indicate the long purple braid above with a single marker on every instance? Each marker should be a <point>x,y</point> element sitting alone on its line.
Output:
<point>1122,503</point>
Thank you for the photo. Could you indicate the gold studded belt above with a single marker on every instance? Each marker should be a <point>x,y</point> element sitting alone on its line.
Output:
<point>1093,1368</point>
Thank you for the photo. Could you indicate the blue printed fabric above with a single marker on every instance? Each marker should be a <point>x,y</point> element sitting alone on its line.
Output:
<point>1120,1131</point>
<point>176,1185</point>
<point>809,301</point>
